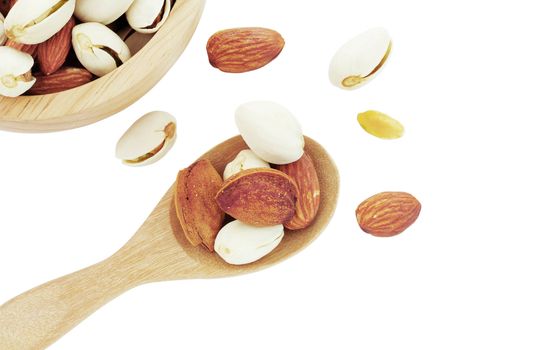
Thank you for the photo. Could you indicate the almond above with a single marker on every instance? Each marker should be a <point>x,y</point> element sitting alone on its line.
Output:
<point>309,193</point>
<point>29,49</point>
<point>6,5</point>
<point>259,197</point>
<point>388,214</point>
<point>196,208</point>
<point>52,54</point>
<point>242,50</point>
<point>64,79</point>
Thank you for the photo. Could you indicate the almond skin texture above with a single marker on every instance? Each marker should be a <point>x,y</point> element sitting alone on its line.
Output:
<point>198,212</point>
<point>242,50</point>
<point>52,54</point>
<point>388,214</point>
<point>309,193</point>
<point>6,5</point>
<point>259,197</point>
<point>64,79</point>
<point>29,49</point>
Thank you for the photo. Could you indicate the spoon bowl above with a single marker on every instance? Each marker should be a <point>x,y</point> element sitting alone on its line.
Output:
<point>157,252</point>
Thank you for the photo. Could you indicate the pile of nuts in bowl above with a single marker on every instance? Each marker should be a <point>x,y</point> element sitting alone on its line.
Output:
<point>265,190</point>
<point>54,45</point>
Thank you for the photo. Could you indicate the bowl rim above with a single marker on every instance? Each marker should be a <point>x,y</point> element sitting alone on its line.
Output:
<point>113,92</point>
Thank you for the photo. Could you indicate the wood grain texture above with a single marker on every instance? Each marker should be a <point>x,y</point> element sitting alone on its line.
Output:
<point>159,251</point>
<point>112,93</point>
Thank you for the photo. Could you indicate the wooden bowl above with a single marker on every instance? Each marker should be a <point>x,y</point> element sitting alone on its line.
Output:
<point>109,94</point>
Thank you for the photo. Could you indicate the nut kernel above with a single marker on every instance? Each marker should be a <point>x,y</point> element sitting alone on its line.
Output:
<point>381,125</point>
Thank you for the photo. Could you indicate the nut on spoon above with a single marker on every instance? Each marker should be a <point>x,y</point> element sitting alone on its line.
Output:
<point>157,252</point>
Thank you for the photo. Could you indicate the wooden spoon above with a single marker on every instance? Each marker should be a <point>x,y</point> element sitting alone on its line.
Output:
<point>157,252</point>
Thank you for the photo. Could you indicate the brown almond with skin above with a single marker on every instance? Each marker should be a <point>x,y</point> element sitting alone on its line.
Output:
<point>29,49</point>
<point>259,197</point>
<point>6,5</point>
<point>242,50</point>
<point>52,54</point>
<point>309,192</point>
<point>388,214</point>
<point>199,215</point>
<point>64,79</point>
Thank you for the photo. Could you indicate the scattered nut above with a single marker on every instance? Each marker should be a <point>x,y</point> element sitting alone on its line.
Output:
<point>103,11</point>
<point>360,59</point>
<point>380,125</point>
<point>242,50</point>
<point>35,21</point>
<point>238,243</point>
<point>147,16</point>
<point>271,131</point>
<point>245,159</point>
<point>99,49</point>
<point>148,139</point>
<point>309,192</point>
<point>15,72</point>
<point>388,214</point>
<point>196,208</point>
<point>3,37</point>
<point>259,197</point>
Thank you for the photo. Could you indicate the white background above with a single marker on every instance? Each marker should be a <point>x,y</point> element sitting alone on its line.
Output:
<point>459,78</point>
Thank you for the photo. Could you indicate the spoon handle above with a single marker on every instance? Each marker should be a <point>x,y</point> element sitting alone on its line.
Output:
<point>39,317</point>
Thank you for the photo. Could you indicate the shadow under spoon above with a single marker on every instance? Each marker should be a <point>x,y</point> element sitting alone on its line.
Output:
<point>157,252</point>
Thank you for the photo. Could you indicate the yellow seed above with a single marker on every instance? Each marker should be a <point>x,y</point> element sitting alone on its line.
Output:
<point>380,125</point>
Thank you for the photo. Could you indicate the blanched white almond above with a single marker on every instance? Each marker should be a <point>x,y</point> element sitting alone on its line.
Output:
<point>102,11</point>
<point>3,37</point>
<point>244,160</point>
<point>35,21</point>
<point>271,131</point>
<point>360,59</point>
<point>147,16</point>
<point>15,72</point>
<point>98,48</point>
<point>238,243</point>
<point>148,139</point>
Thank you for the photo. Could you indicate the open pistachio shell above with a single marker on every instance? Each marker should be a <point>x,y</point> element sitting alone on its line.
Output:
<point>360,59</point>
<point>238,243</point>
<point>148,139</point>
<point>35,21</point>
<point>244,160</point>
<point>102,11</point>
<point>15,72</point>
<point>271,131</point>
<point>98,48</point>
<point>147,16</point>
<point>2,33</point>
